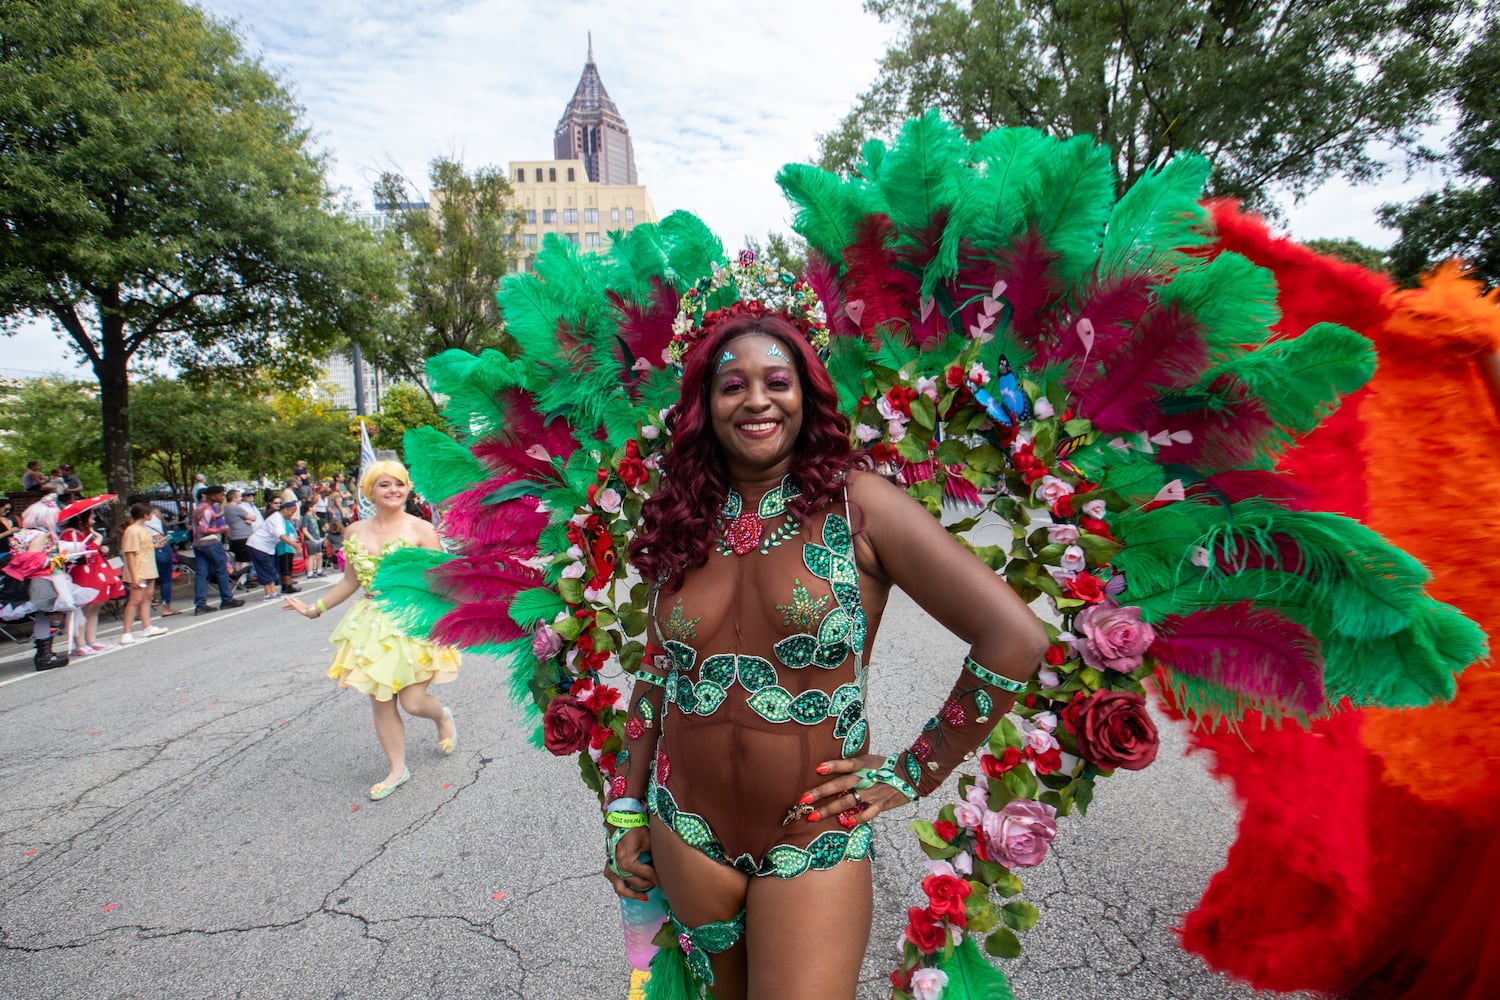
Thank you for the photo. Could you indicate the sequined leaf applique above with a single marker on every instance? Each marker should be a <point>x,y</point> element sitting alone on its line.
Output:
<point>854,740</point>
<point>719,669</point>
<point>770,703</point>
<point>756,673</point>
<point>797,650</point>
<point>678,627</point>
<point>804,610</point>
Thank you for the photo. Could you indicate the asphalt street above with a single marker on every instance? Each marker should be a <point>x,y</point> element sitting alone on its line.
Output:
<point>186,817</point>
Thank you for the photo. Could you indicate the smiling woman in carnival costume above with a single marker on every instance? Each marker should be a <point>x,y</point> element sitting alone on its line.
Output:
<point>1005,335</point>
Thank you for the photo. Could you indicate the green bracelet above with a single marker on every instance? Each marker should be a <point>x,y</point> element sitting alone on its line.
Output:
<point>626,820</point>
<point>885,774</point>
<point>993,679</point>
<point>650,678</point>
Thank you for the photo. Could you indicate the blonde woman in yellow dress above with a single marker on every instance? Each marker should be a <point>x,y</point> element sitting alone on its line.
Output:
<point>370,652</point>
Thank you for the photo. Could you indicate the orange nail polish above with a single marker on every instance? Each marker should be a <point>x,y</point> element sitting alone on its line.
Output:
<point>821,768</point>
<point>813,817</point>
<point>806,798</point>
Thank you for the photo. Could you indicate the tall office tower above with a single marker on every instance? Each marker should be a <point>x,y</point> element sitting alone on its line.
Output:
<point>592,130</point>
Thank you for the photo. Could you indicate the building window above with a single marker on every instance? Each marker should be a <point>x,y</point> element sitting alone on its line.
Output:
<point>591,215</point>
<point>549,216</point>
<point>520,174</point>
<point>570,173</point>
<point>573,238</point>
<point>614,215</point>
<point>552,173</point>
<point>529,240</point>
<point>629,215</point>
<point>590,239</point>
<point>531,216</point>
<point>570,216</point>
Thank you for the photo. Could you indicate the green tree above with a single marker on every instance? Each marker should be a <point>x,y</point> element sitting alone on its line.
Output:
<point>182,427</point>
<point>1350,251</point>
<point>1275,93</point>
<point>159,200</point>
<point>403,407</point>
<point>785,252</point>
<point>1463,219</point>
<point>452,255</point>
<point>55,421</point>
<point>313,430</point>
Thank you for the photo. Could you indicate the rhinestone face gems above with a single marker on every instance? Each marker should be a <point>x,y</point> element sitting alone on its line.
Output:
<point>724,360</point>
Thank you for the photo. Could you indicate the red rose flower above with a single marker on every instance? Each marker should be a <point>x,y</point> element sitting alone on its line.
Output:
<point>883,451</point>
<point>1062,508</point>
<point>632,471</point>
<point>901,978</point>
<point>566,726</point>
<point>924,931</point>
<point>1113,729</point>
<point>1048,761</point>
<point>945,830</point>
<point>1057,655</point>
<point>946,895</point>
<point>996,767</point>
<point>954,377</point>
<point>1094,526</point>
<point>1085,587</point>
<point>607,763</point>
<point>900,398</point>
<point>600,736</point>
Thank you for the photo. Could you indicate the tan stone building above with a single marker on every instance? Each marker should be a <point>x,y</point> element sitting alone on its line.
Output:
<point>590,191</point>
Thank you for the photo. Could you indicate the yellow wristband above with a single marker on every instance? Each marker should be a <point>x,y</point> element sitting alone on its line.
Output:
<point>626,820</point>
<point>320,606</point>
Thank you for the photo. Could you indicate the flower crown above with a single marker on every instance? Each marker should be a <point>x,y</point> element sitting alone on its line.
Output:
<point>758,289</point>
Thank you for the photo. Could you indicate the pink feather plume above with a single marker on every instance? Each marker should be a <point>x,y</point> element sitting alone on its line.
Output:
<point>1120,386</point>
<point>1241,648</point>
<point>477,624</point>
<point>888,292</point>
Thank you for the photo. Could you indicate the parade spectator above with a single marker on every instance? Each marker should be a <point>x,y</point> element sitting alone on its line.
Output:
<point>209,532</point>
<point>32,479</point>
<point>320,503</point>
<point>301,481</point>
<point>139,570</point>
<point>288,544</point>
<point>333,542</point>
<point>271,546</point>
<point>311,534</point>
<point>337,507</point>
<point>92,571</point>
<point>241,517</point>
<point>55,481</point>
<point>200,483</point>
<point>165,558</point>
<point>72,485</point>
<point>7,523</point>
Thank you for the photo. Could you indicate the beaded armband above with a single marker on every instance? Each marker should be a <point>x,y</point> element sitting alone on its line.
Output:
<point>993,679</point>
<point>886,774</point>
<point>645,675</point>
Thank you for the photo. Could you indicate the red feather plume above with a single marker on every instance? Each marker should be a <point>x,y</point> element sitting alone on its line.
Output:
<point>1119,387</point>
<point>889,293</point>
<point>1239,647</point>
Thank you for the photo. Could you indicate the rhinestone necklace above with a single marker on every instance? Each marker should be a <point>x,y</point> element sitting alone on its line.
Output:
<point>745,531</point>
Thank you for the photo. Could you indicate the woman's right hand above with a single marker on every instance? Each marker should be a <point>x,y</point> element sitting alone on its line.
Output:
<point>640,875</point>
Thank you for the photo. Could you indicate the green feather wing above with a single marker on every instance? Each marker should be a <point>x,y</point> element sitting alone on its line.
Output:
<point>1158,218</point>
<point>440,466</point>
<point>1301,380</point>
<point>401,588</point>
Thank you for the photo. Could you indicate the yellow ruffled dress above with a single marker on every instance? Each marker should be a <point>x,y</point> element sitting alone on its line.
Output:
<point>372,654</point>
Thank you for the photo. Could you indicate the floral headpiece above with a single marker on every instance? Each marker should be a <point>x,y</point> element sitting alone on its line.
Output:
<point>746,287</point>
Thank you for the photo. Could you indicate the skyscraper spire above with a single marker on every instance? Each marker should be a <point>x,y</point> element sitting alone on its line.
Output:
<point>592,130</point>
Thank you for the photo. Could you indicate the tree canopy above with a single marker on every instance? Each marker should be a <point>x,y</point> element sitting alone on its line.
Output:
<point>1275,93</point>
<point>1463,219</point>
<point>55,421</point>
<point>160,200</point>
<point>452,254</point>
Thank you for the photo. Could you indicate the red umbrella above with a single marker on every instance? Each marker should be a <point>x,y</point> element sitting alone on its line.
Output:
<point>83,506</point>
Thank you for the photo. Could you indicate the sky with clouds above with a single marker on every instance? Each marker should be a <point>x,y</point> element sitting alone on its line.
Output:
<point>718,95</point>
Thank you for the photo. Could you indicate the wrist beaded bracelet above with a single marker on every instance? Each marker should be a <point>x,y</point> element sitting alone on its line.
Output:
<point>651,678</point>
<point>993,679</point>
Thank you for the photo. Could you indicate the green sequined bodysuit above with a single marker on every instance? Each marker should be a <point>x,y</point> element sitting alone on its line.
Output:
<point>765,680</point>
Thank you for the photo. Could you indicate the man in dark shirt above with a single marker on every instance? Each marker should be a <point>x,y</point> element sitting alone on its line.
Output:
<point>209,532</point>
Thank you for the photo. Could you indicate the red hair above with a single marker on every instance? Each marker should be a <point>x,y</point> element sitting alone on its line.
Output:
<point>680,521</point>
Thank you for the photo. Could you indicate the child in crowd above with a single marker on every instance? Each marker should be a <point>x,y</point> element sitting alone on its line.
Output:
<point>334,541</point>
<point>312,538</point>
<point>139,554</point>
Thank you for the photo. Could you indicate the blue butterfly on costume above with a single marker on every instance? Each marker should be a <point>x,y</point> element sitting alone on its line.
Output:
<point>1012,407</point>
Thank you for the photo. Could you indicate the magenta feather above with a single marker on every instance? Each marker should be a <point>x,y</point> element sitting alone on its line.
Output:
<point>959,489</point>
<point>1113,305</point>
<point>647,330</point>
<point>513,528</point>
<point>823,277</point>
<point>916,252</point>
<point>888,292</point>
<point>479,623</point>
<point>482,578</point>
<point>1235,485</point>
<point>1119,388</point>
<point>525,428</point>
<point>1254,652</point>
<point>1233,436</point>
<point>1030,286</point>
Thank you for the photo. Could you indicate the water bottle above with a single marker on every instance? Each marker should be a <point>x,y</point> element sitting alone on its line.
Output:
<point>640,921</point>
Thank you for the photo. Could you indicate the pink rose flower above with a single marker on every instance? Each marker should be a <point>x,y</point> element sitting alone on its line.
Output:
<point>1096,509</point>
<point>928,984</point>
<point>978,375</point>
<point>545,644</point>
<point>1115,638</point>
<point>970,813</point>
<point>866,434</point>
<point>1062,534</point>
<point>1043,409</point>
<point>1051,489</point>
<point>1018,835</point>
<point>1073,559</point>
<point>1038,740</point>
<point>650,432</point>
<point>573,571</point>
<point>609,500</point>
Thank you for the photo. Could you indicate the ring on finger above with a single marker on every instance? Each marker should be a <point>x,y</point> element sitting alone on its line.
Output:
<point>857,800</point>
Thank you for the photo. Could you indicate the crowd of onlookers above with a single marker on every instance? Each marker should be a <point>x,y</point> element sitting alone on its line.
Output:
<point>231,538</point>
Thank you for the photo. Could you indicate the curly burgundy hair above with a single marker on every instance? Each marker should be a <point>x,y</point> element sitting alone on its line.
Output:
<point>680,521</point>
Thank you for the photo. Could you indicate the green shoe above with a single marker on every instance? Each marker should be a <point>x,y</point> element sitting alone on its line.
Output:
<point>378,792</point>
